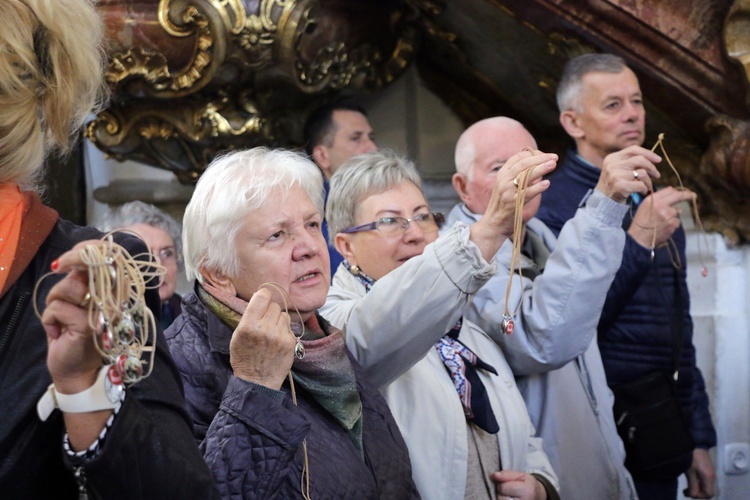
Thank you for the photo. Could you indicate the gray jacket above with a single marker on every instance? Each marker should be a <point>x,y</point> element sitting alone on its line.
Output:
<point>392,331</point>
<point>553,349</point>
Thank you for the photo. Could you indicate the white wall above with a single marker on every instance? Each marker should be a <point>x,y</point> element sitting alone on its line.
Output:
<point>719,305</point>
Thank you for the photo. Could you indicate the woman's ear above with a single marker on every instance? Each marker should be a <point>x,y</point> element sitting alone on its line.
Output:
<point>343,244</point>
<point>219,280</point>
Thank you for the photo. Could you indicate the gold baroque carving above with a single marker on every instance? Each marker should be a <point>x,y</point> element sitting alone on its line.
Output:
<point>224,122</point>
<point>339,65</point>
<point>334,67</point>
<point>238,78</point>
<point>725,174</point>
<point>138,62</point>
<point>258,34</point>
<point>736,39</point>
<point>152,67</point>
<point>182,137</point>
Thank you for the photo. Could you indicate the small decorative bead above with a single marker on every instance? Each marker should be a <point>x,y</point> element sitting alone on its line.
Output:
<point>299,350</point>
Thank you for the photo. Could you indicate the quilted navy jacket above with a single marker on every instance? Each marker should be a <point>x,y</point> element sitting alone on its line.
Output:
<point>639,322</point>
<point>252,437</point>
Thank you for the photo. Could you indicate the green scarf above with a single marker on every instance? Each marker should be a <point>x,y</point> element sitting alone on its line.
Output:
<point>325,373</point>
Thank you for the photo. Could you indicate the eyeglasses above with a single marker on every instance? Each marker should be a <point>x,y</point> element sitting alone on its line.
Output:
<point>394,225</point>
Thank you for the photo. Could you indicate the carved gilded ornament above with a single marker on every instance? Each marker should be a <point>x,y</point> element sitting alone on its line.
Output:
<point>138,62</point>
<point>225,123</point>
<point>737,37</point>
<point>244,77</point>
<point>152,66</point>
<point>259,33</point>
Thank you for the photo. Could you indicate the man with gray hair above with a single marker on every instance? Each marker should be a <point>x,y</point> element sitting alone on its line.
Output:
<point>645,328</point>
<point>555,302</point>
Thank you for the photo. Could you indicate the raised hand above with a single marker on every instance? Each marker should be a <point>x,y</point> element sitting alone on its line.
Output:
<point>262,346</point>
<point>72,358</point>
<point>496,224</point>
<point>628,171</point>
<point>658,216</point>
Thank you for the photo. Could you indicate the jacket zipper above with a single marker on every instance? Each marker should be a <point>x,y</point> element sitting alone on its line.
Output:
<point>10,330</point>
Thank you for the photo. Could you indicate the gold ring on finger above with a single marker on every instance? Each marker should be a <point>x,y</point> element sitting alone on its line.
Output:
<point>85,300</point>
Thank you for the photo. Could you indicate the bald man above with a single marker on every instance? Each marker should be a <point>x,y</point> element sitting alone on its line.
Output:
<point>555,303</point>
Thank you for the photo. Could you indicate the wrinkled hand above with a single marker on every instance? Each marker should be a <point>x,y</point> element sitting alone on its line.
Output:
<point>496,224</point>
<point>72,358</point>
<point>658,211</point>
<point>701,476</point>
<point>262,347</point>
<point>517,485</point>
<point>617,179</point>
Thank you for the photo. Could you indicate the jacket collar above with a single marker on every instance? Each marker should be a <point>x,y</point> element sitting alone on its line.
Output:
<point>581,170</point>
<point>38,221</point>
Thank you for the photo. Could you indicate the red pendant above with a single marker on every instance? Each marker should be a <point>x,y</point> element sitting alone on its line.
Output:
<point>507,325</point>
<point>113,375</point>
<point>704,271</point>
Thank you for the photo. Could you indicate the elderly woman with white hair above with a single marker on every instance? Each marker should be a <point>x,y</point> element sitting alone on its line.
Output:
<point>280,407</point>
<point>400,296</point>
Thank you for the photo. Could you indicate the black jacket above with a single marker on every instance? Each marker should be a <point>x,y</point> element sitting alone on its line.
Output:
<point>148,452</point>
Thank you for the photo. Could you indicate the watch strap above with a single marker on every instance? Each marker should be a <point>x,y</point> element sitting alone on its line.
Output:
<point>103,395</point>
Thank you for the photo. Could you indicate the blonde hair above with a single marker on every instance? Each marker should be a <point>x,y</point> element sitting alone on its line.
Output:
<point>51,67</point>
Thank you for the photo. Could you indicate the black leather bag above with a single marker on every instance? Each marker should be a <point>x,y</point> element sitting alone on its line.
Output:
<point>653,427</point>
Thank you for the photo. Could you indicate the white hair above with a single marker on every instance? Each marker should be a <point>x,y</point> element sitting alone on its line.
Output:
<point>479,135</point>
<point>231,188</point>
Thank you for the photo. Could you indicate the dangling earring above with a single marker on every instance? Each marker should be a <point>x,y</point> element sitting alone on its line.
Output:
<point>354,270</point>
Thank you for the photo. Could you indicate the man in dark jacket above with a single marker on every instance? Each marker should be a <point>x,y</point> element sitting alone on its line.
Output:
<point>334,133</point>
<point>647,307</point>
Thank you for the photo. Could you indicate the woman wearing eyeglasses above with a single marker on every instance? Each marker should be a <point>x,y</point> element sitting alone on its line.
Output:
<point>400,296</point>
<point>161,233</point>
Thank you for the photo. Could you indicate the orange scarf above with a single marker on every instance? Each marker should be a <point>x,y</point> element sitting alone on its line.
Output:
<point>12,207</point>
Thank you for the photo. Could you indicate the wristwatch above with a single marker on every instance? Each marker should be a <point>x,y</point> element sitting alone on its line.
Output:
<point>103,395</point>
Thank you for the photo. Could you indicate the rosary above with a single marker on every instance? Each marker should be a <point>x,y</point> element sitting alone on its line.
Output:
<point>124,328</point>
<point>521,183</point>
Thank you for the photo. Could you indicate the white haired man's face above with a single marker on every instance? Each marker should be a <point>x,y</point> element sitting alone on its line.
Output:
<point>494,146</point>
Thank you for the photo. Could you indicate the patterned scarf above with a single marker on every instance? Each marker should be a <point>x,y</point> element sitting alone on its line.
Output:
<point>325,373</point>
<point>462,365</point>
